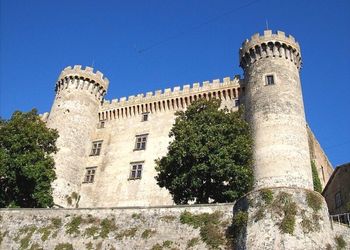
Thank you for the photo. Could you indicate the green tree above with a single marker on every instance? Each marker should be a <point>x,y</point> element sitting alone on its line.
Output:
<point>26,164</point>
<point>315,178</point>
<point>209,158</point>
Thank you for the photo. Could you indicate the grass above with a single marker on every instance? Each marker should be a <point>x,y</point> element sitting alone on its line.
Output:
<point>167,243</point>
<point>73,226</point>
<point>28,231</point>
<point>307,225</point>
<point>210,226</point>
<point>168,218</point>
<point>259,215</point>
<point>89,246</point>
<point>157,247</point>
<point>107,225</point>
<point>64,246</point>
<point>35,246</point>
<point>56,222</point>
<point>127,233</point>
<point>1,237</point>
<point>192,242</point>
<point>45,232</point>
<point>314,201</point>
<point>267,196</point>
<point>147,233</point>
<point>137,216</point>
<point>341,244</point>
<point>91,232</point>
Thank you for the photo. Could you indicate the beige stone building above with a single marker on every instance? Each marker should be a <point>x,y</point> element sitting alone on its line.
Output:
<point>337,191</point>
<point>107,148</point>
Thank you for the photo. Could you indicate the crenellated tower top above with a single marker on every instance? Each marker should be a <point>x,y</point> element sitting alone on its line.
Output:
<point>83,79</point>
<point>270,45</point>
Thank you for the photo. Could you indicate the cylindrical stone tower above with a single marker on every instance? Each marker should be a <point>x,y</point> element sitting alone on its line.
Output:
<point>79,93</point>
<point>275,110</point>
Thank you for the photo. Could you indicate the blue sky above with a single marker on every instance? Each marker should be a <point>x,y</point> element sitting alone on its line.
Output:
<point>181,42</point>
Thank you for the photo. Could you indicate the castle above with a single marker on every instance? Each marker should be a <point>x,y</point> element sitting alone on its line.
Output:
<point>106,162</point>
<point>107,148</point>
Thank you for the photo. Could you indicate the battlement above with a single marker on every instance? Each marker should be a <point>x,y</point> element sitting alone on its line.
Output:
<point>168,93</point>
<point>83,79</point>
<point>270,45</point>
<point>172,99</point>
<point>88,73</point>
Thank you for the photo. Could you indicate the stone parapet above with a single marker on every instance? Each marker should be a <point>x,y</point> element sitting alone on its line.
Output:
<point>172,99</point>
<point>270,45</point>
<point>169,93</point>
<point>83,79</point>
<point>113,228</point>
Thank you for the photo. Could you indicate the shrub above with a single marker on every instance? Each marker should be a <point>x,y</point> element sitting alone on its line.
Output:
<point>267,196</point>
<point>73,226</point>
<point>341,244</point>
<point>209,225</point>
<point>106,227</point>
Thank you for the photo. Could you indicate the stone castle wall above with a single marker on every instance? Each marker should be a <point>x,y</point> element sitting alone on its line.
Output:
<point>194,227</point>
<point>323,165</point>
<point>122,122</point>
<point>110,228</point>
<point>82,116</point>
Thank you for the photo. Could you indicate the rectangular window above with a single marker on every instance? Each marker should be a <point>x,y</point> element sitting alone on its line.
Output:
<point>96,148</point>
<point>236,102</point>
<point>338,201</point>
<point>270,80</point>
<point>141,141</point>
<point>90,175</point>
<point>136,170</point>
<point>101,124</point>
<point>144,117</point>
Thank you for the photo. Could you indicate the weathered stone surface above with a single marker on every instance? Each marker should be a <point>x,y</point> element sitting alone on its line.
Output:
<point>124,228</point>
<point>276,112</point>
<point>287,221</point>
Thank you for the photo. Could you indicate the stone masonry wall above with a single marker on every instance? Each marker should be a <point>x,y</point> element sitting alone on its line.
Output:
<point>323,165</point>
<point>116,228</point>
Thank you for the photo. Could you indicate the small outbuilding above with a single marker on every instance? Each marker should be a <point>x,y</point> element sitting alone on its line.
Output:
<point>337,190</point>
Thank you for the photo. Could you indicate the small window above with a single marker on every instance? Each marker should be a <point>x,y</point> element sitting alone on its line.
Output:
<point>96,148</point>
<point>90,175</point>
<point>270,80</point>
<point>141,141</point>
<point>101,124</point>
<point>236,102</point>
<point>136,170</point>
<point>144,117</point>
<point>338,201</point>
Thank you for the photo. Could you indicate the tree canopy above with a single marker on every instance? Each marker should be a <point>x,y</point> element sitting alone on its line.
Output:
<point>210,156</point>
<point>26,166</point>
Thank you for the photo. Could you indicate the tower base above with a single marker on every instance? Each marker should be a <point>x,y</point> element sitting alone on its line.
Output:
<point>282,218</point>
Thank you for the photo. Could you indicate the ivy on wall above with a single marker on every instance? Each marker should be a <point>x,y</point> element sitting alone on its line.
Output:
<point>315,178</point>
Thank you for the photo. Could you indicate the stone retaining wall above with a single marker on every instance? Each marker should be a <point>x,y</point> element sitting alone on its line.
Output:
<point>115,228</point>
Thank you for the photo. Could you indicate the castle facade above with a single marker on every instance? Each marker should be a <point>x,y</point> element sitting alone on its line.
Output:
<point>107,149</point>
